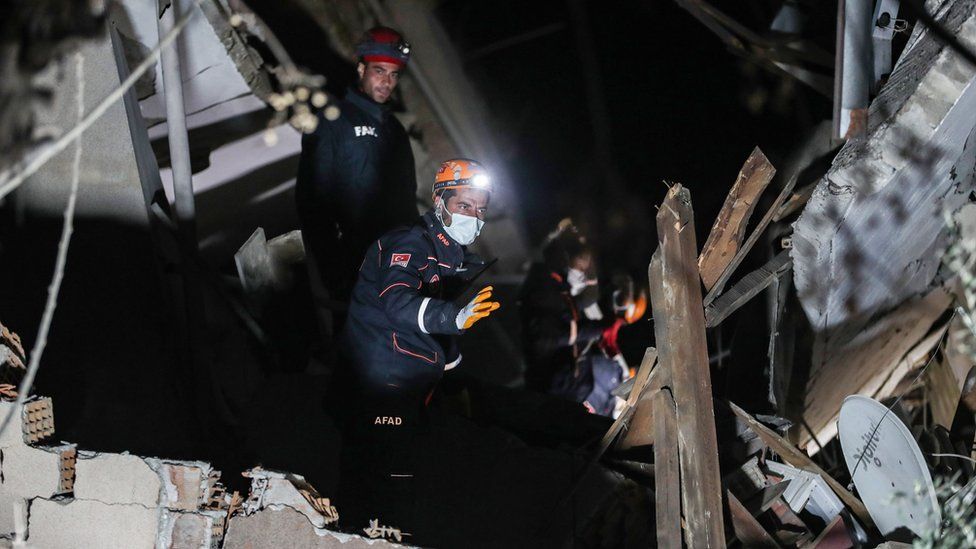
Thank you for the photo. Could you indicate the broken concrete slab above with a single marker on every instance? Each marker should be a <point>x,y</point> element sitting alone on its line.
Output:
<point>27,473</point>
<point>265,529</point>
<point>129,479</point>
<point>90,523</point>
<point>202,530</point>
<point>264,266</point>
<point>869,239</point>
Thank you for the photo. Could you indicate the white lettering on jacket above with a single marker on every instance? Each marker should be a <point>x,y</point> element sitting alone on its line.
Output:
<point>387,420</point>
<point>365,130</point>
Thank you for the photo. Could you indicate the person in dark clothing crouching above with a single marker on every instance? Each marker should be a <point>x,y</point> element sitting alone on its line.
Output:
<point>400,337</point>
<point>570,346</point>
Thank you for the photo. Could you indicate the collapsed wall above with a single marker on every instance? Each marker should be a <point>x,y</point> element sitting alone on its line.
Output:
<point>867,247</point>
<point>54,496</point>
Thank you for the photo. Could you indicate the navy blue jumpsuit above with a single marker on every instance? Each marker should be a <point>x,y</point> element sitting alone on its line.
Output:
<point>356,181</point>
<point>399,337</point>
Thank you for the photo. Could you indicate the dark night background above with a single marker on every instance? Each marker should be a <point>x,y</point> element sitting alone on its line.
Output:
<point>678,102</point>
<point>681,106</point>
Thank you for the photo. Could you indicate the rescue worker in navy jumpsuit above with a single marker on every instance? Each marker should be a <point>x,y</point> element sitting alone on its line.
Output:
<point>356,176</point>
<point>399,338</point>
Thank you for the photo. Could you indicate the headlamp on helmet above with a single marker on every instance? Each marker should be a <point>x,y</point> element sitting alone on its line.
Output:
<point>461,172</point>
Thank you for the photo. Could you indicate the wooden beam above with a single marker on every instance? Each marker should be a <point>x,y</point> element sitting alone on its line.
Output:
<point>644,374</point>
<point>795,202</point>
<point>746,527</point>
<point>667,480</point>
<point>942,390</point>
<point>747,288</point>
<point>730,226</point>
<point>795,457</point>
<point>682,352</point>
<point>750,242</point>
<point>871,363</point>
<point>639,430</point>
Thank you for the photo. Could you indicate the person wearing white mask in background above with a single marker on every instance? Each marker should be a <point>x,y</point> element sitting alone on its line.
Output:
<point>400,338</point>
<point>570,347</point>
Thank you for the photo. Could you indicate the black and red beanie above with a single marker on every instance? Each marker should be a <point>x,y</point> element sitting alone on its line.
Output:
<point>383,45</point>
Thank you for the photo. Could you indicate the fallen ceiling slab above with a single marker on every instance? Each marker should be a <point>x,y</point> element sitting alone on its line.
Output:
<point>870,237</point>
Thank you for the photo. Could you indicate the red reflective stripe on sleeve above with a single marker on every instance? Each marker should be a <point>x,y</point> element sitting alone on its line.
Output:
<point>392,285</point>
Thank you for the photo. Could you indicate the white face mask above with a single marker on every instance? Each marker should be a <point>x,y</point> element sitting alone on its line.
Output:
<point>576,280</point>
<point>463,229</point>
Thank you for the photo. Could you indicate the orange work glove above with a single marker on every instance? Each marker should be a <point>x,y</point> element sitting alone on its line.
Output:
<point>476,309</point>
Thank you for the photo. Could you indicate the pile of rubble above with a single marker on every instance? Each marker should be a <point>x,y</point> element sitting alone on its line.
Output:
<point>53,495</point>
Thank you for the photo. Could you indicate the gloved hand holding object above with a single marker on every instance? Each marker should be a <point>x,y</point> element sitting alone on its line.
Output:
<point>476,309</point>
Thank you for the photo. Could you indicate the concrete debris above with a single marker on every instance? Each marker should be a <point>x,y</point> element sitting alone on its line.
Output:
<point>28,471</point>
<point>12,363</point>
<point>265,529</point>
<point>91,523</point>
<point>376,530</point>
<point>91,499</point>
<point>275,489</point>
<point>128,479</point>
<point>121,500</point>
<point>869,240</point>
<point>264,266</point>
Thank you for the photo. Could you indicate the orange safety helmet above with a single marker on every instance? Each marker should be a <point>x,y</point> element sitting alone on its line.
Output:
<point>461,172</point>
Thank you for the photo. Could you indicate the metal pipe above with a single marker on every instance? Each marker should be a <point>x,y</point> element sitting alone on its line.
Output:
<point>855,70</point>
<point>179,143</point>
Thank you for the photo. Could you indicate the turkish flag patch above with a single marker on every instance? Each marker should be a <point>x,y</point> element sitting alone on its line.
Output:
<point>400,259</point>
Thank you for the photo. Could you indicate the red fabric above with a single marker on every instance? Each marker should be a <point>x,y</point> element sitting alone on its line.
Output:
<point>609,340</point>
<point>383,59</point>
<point>384,35</point>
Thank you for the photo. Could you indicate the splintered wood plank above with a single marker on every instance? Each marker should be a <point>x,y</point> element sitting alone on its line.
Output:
<point>730,226</point>
<point>793,456</point>
<point>644,374</point>
<point>682,352</point>
<point>747,288</point>
<point>750,242</point>
<point>667,483</point>
<point>943,391</point>
<point>795,202</point>
<point>640,431</point>
<point>746,527</point>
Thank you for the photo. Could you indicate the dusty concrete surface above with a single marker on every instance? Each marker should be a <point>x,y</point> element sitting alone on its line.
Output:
<point>868,241</point>
<point>267,528</point>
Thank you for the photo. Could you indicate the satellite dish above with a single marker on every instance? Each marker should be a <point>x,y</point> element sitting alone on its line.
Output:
<point>887,466</point>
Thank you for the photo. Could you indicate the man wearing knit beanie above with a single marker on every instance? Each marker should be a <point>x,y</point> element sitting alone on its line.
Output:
<point>356,177</point>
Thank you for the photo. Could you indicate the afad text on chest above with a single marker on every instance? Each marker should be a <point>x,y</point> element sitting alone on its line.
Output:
<point>363,131</point>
